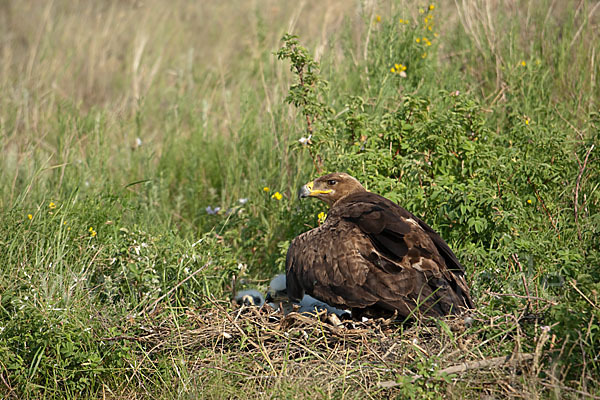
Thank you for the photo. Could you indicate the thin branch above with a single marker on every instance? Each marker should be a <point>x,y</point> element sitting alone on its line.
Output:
<point>300,72</point>
<point>579,133</point>
<point>573,283</point>
<point>490,362</point>
<point>469,366</point>
<point>569,389</point>
<point>516,259</point>
<point>537,195</point>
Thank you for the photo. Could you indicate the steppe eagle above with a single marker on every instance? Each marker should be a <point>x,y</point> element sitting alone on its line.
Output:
<point>373,257</point>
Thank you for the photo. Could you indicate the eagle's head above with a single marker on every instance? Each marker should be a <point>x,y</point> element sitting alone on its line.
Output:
<point>331,187</point>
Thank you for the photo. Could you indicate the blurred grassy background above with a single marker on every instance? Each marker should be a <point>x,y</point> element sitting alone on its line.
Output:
<point>122,121</point>
<point>82,82</point>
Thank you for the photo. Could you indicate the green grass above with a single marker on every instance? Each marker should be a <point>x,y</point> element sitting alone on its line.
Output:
<point>120,123</point>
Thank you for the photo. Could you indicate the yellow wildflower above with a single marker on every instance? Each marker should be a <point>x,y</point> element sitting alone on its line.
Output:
<point>322,216</point>
<point>398,69</point>
<point>529,201</point>
<point>431,7</point>
<point>266,189</point>
<point>429,28</point>
<point>30,216</point>
<point>277,196</point>
<point>92,232</point>
<point>52,206</point>
<point>421,11</point>
<point>418,40</point>
<point>523,63</point>
<point>424,55</point>
<point>378,18</point>
<point>526,121</point>
<point>401,21</point>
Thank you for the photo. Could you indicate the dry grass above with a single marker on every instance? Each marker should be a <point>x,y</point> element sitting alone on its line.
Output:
<point>144,70</point>
<point>113,53</point>
<point>263,351</point>
<point>488,33</point>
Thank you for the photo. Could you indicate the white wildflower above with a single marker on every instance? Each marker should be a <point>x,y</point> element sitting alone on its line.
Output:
<point>305,140</point>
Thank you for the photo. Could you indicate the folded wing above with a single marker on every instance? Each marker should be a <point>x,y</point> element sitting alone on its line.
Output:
<point>372,254</point>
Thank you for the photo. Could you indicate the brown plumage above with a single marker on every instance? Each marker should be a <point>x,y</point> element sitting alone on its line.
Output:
<point>374,257</point>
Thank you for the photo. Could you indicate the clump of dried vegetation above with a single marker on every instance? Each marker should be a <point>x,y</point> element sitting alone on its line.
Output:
<point>310,355</point>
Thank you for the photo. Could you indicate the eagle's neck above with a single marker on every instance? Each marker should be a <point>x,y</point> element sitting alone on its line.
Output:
<point>345,196</point>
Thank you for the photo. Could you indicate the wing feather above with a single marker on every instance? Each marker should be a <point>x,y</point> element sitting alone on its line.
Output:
<point>394,239</point>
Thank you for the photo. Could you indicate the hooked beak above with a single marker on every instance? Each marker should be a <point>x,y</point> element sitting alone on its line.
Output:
<point>308,191</point>
<point>305,191</point>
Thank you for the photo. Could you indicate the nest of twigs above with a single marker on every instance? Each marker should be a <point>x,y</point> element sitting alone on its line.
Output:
<point>260,346</point>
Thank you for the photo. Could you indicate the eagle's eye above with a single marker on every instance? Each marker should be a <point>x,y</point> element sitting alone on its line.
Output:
<point>331,182</point>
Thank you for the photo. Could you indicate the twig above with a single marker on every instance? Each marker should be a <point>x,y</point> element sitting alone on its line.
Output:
<point>516,259</point>
<point>569,389</point>
<point>300,72</point>
<point>537,195</point>
<point>155,302</point>
<point>310,119</point>
<point>573,282</point>
<point>579,133</point>
<point>577,183</point>
<point>10,388</point>
<point>539,348</point>
<point>469,366</point>
<point>490,362</point>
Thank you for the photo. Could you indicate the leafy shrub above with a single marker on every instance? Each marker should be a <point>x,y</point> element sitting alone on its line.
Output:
<point>496,193</point>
